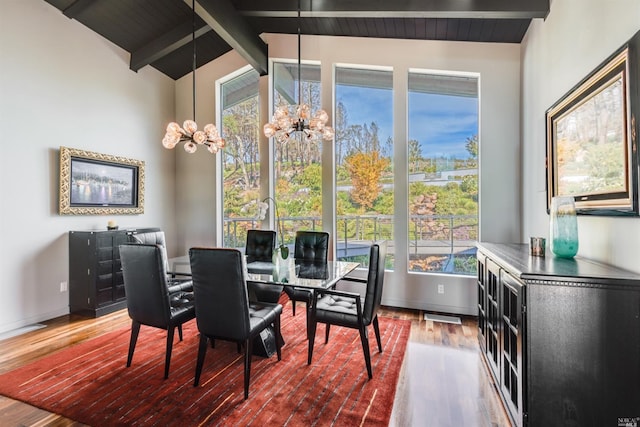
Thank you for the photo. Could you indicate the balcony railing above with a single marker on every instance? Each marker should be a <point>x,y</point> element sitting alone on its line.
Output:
<point>437,243</point>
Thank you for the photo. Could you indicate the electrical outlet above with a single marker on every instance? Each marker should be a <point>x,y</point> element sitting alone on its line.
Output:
<point>63,286</point>
<point>441,289</point>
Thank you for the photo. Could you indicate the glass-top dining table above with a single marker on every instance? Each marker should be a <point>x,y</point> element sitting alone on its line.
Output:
<point>302,274</point>
<point>289,272</point>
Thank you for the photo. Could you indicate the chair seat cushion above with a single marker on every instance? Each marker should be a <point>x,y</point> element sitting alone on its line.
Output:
<point>299,294</point>
<point>337,310</point>
<point>183,312</point>
<point>263,314</point>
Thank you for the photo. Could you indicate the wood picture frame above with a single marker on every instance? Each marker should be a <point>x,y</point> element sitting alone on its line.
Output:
<point>592,138</point>
<point>100,184</point>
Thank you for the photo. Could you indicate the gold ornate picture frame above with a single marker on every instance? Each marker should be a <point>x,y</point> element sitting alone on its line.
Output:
<point>592,144</point>
<point>100,184</point>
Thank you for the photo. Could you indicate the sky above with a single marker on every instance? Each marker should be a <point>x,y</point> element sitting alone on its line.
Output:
<point>441,124</point>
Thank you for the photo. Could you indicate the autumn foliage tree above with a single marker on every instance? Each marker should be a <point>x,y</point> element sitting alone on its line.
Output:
<point>365,169</point>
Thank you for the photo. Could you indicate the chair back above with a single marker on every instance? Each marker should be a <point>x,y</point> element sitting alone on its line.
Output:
<point>375,280</point>
<point>145,284</point>
<point>311,246</point>
<point>220,293</point>
<point>260,244</point>
<point>152,237</point>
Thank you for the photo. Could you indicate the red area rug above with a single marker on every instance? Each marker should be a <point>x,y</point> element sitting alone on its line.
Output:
<point>89,382</point>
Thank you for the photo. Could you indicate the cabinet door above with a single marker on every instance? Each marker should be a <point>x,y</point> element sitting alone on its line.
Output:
<point>583,354</point>
<point>104,269</point>
<point>492,290</point>
<point>482,302</point>
<point>118,280</point>
<point>511,381</point>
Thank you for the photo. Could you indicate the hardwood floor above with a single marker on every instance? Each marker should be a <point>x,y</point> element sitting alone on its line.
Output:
<point>443,380</point>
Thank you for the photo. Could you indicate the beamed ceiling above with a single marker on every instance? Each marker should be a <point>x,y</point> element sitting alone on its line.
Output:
<point>159,32</point>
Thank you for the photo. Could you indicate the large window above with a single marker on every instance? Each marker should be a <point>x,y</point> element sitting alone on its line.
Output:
<point>240,159</point>
<point>364,152</point>
<point>442,173</point>
<point>297,163</point>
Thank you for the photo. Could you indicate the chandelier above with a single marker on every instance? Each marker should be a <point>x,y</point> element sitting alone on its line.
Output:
<point>290,120</point>
<point>189,133</point>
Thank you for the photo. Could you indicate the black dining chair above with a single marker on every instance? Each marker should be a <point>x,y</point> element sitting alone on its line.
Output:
<point>349,309</point>
<point>175,281</point>
<point>259,248</point>
<point>310,247</point>
<point>259,245</point>
<point>149,301</point>
<point>223,310</point>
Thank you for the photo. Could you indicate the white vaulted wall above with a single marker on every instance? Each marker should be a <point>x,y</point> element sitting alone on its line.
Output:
<point>62,84</point>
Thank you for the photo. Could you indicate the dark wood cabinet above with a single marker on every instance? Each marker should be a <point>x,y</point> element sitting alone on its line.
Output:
<point>561,337</point>
<point>96,286</point>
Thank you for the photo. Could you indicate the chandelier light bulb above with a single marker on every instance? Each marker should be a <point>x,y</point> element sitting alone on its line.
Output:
<point>302,111</point>
<point>269,130</point>
<point>328,133</point>
<point>199,137</point>
<point>173,127</point>
<point>322,116</point>
<point>171,139</point>
<point>190,126</point>
<point>190,147</point>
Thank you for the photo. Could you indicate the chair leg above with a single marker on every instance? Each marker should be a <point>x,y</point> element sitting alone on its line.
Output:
<point>326,334</point>
<point>202,350</point>
<point>135,330</point>
<point>365,347</point>
<point>311,332</point>
<point>167,357</point>
<point>308,313</point>
<point>376,329</point>
<point>293,306</point>
<point>279,340</point>
<point>180,332</point>
<point>248,344</point>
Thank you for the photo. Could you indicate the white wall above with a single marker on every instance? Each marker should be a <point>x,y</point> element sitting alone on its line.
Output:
<point>61,84</point>
<point>556,54</point>
<point>498,66</point>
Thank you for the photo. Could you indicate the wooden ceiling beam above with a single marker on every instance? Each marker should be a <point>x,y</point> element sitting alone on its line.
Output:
<point>486,9</point>
<point>77,7</point>
<point>166,44</point>
<point>225,20</point>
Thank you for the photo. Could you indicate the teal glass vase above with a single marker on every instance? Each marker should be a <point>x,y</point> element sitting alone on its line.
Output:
<point>563,233</point>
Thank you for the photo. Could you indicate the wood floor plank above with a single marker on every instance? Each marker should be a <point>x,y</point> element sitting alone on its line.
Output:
<point>443,381</point>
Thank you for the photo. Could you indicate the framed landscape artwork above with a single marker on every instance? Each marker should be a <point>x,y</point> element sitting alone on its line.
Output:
<point>100,184</point>
<point>592,138</point>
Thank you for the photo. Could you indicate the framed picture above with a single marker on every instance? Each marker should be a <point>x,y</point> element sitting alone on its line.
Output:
<point>100,184</point>
<point>592,147</point>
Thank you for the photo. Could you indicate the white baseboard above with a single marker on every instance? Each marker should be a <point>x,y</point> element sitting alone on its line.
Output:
<point>32,320</point>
